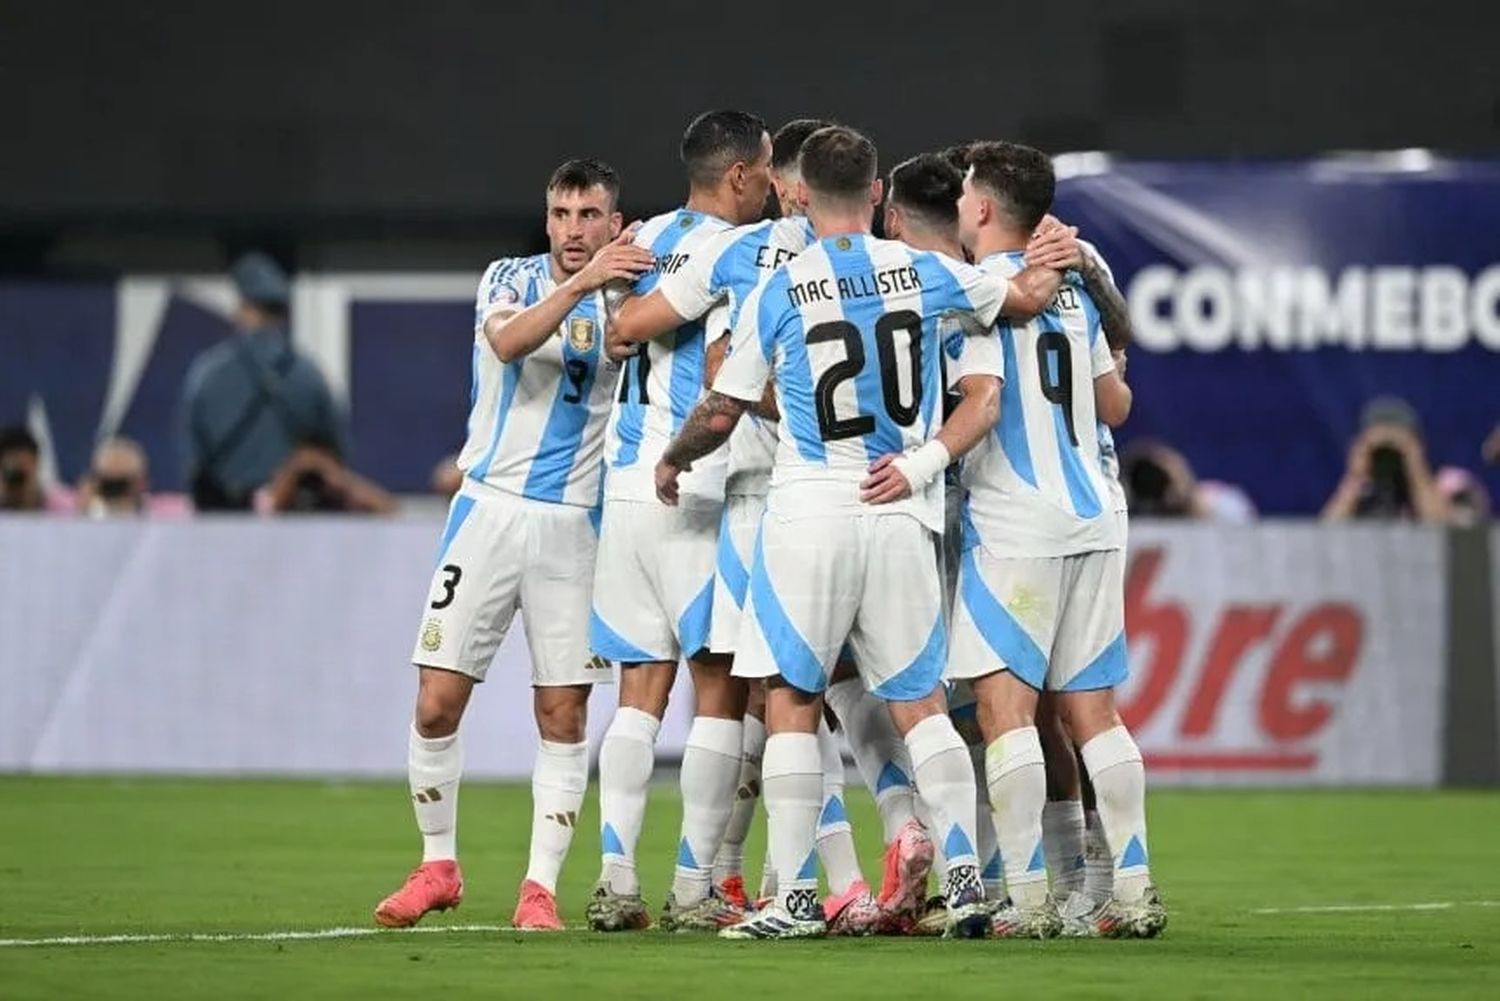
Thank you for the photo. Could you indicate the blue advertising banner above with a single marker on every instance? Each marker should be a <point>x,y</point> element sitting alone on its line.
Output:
<point>1271,301</point>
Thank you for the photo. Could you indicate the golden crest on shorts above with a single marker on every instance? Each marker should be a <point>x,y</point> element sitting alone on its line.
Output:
<point>581,333</point>
<point>432,635</point>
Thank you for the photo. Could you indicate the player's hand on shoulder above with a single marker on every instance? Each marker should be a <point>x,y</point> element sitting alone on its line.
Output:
<point>666,482</point>
<point>886,484</point>
<point>1054,245</point>
<point>618,260</point>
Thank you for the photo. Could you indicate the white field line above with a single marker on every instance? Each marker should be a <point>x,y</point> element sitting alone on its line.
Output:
<point>268,936</point>
<point>1441,905</point>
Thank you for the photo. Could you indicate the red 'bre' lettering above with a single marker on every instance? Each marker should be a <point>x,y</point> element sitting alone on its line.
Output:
<point>1322,645</point>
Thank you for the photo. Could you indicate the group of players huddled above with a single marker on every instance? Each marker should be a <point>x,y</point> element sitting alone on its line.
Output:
<point>862,486</point>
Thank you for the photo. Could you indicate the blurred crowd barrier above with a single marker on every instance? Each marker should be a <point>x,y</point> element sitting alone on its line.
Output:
<point>1275,654</point>
<point>1271,301</point>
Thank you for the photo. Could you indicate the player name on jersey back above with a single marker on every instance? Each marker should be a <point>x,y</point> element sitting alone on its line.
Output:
<point>714,286</point>
<point>536,425</point>
<point>1036,484</point>
<point>662,382</point>
<point>850,328</point>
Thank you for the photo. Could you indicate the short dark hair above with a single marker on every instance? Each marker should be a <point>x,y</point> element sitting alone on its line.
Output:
<point>786,144</point>
<point>18,439</point>
<point>957,155</point>
<point>1020,177</point>
<point>716,140</point>
<point>838,161</point>
<point>582,174</point>
<point>928,187</point>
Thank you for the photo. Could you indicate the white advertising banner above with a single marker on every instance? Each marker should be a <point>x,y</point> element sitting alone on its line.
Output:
<point>1287,654</point>
<point>239,646</point>
<point>1276,654</point>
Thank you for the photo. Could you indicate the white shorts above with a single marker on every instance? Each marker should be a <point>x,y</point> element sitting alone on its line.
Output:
<point>500,553</point>
<point>1056,623</point>
<point>735,549</point>
<point>866,578</point>
<point>654,583</point>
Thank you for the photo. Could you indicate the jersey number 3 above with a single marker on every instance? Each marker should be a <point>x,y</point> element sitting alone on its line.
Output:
<point>831,426</point>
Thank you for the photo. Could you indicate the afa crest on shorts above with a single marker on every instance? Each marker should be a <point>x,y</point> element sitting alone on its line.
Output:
<point>432,635</point>
<point>581,333</point>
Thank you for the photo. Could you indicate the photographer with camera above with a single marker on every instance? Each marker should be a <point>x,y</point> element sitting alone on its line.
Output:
<point>1388,476</point>
<point>314,479</point>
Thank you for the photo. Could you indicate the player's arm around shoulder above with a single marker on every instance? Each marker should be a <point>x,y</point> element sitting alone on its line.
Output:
<point>1113,396</point>
<point>514,334</point>
<point>1047,257</point>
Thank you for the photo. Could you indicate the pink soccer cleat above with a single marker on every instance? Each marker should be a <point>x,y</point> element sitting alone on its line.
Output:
<point>853,912</point>
<point>732,889</point>
<point>432,886</point>
<point>903,890</point>
<point>537,910</point>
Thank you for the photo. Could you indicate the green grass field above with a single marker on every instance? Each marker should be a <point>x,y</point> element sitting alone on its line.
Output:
<point>101,856</point>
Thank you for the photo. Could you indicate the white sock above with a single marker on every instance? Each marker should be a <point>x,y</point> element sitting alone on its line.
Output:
<point>991,874</point>
<point>626,758</point>
<point>768,875</point>
<point>1098,868</point>
<point>1017,779</point>
<point>835,836</point>
<point>730,861</point>
<point>1062,840</point>
<point>433,767</point>
<point>793,772</point>
<point>945,779</point>
<point>879,753</point>
<point>558,782</point>
<point>710,771</point>
<point>1114,764</point>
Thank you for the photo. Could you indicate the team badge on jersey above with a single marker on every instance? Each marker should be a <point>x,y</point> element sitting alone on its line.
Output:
<point>432,635</point>
<point>581,333</point>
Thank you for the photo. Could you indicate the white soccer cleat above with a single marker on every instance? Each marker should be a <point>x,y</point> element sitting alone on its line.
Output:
<point>1144,917</point>
<point>776,921</point>
<point>1041,921</point>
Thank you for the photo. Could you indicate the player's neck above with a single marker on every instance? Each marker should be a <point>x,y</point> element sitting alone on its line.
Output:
<point>558,274</point>
<point>717,202</point>
<point>997,240</point>
<point>940,243</point>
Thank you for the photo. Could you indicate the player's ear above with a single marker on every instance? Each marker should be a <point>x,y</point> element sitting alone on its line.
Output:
<point>892,222</point>
<point>737,171</point>
<point>802,197</point>
<point>877,191</point>
<point>616,220</point>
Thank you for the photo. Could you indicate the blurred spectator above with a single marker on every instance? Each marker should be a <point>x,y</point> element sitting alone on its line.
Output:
<point>1388,476</point>
<point>118,485</point>
<point>447,477</point>
<point>315,479</point>
<point>1467,500</point>
<point>248,400</point>
<point>1159,483</point>
<point>21,487</point>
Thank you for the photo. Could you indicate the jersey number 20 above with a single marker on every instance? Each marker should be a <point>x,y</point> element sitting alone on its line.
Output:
<point>831,426</point>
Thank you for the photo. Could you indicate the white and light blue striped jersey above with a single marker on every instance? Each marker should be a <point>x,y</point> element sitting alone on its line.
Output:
<point>1036,485</point>
<point>536,425</point>
<point>714,284</point>
<point>850,328</point>
<point>663,381</point>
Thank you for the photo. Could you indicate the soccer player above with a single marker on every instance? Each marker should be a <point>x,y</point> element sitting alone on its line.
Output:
<point>846,549</point>
<point>1078,858</point>
<point>713,284</point>
<point>520,534</point>
<point>1040,603</point>
<point>921,210</point>
<point>653,588</point>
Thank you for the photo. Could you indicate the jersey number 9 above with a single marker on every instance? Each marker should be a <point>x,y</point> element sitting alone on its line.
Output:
<point>889,356</point>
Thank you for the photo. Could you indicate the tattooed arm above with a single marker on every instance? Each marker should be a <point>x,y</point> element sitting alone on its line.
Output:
<point>705,429</point>
<point>1114,311</point>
